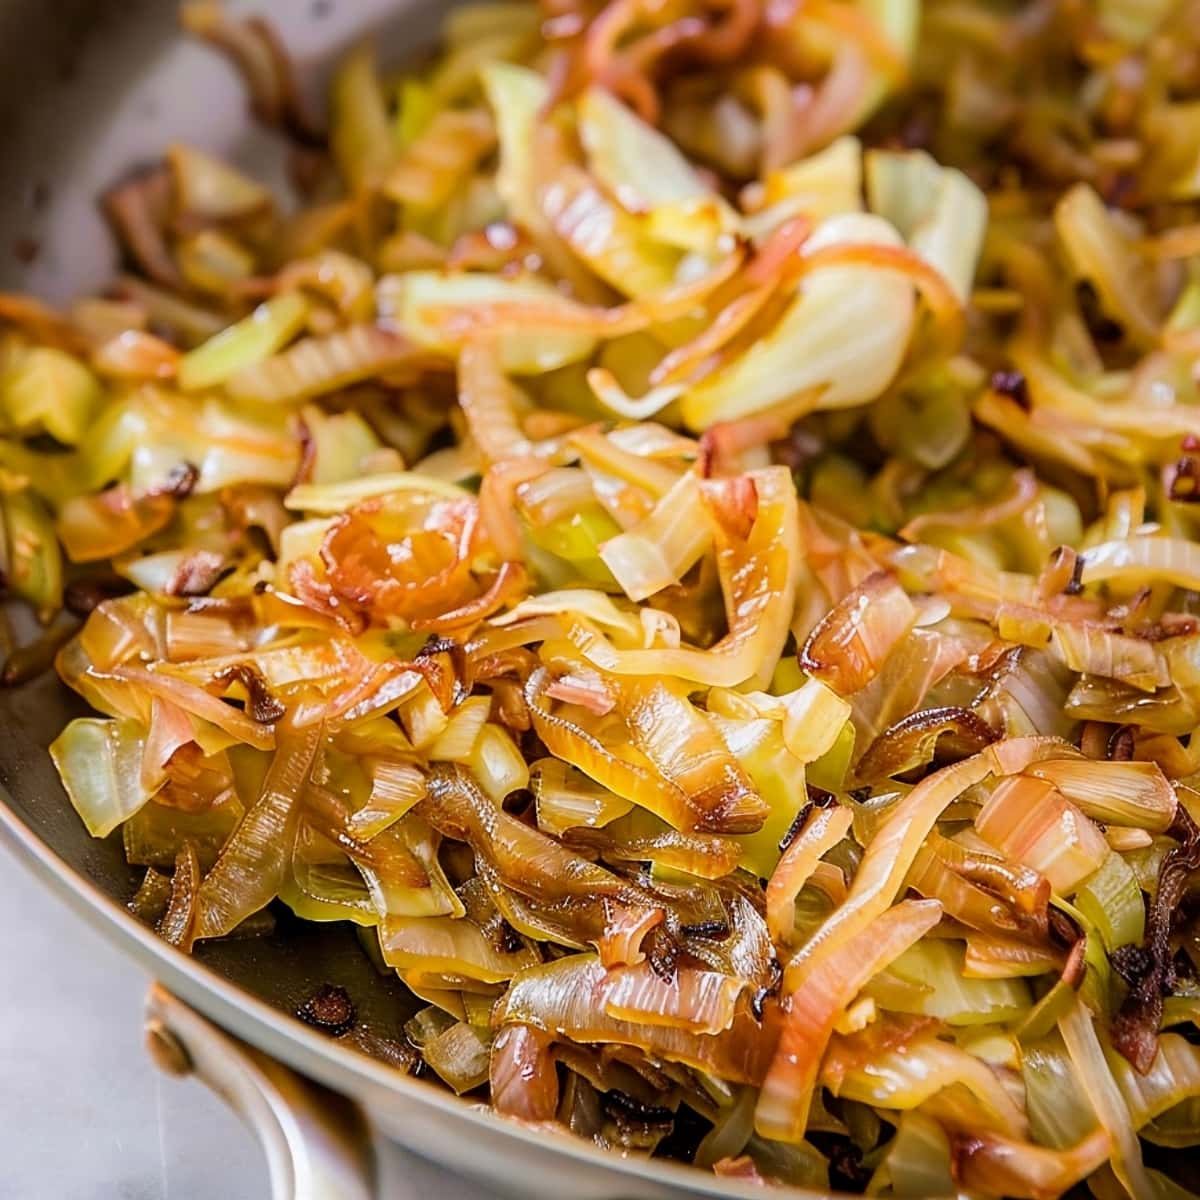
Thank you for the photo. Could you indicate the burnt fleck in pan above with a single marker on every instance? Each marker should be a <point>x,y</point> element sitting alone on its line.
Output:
<point>89,89</point>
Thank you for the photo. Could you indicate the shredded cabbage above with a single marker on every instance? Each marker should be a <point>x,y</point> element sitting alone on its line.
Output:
<point>682,530</point>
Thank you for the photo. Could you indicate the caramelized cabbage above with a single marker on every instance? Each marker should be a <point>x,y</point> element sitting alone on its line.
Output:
<point>681,527</point>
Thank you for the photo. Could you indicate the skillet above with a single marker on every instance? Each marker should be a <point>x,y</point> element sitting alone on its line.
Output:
<point>89,89</point>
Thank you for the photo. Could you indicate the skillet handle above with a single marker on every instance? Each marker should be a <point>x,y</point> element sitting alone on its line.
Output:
<point>316,1142</point>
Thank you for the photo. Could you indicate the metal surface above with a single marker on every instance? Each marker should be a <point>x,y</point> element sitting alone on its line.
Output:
<point>87,89</point>
<point>316,1146</point>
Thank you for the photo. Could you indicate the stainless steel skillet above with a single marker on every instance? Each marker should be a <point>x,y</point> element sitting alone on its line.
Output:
<point>89,88</point>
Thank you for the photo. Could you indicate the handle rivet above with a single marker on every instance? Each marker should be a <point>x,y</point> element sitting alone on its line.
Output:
<point>166,1049</point>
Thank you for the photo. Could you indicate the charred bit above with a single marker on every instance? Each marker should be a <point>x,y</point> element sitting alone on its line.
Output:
<point>1184,486</point>
<point>263,705</point>
<point>180,482</point>
<point>1149,969</point>
<point>1120,744</point>
<point>1011,384</point>
<point>329,1009</point>
<point>716,931</point>
<point>1075,585</point>
<point>84,596</point>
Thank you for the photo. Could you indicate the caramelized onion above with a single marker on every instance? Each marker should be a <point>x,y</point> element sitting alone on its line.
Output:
<point>251,867</point>
<point>562,998</point>
<point>848,647</point>
<point>524,1082</point>
<point>684,746</point>
<point>911,742</point>
<point>1006,1166</point>
<point>1151,973</point>
<point>631,780</point>
<point>822,831</point>
<point>759,578</point>
<point>887,861</point>
<point>598,904</point>
<point>811,1009</point>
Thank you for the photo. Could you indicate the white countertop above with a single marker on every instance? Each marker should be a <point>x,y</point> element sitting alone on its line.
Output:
<point>83,1113</point>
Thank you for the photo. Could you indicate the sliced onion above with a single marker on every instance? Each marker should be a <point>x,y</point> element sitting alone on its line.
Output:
<point>912,1074</point>
<point>599,906</point>
<point>1102,253</point>
<point>457,740</point>
<point>105,524</point>
<point>628,459</point>
<point>460,1056</point>
<point>930,979</point>
<point>688,750</point>
<point>1135,794</point>
<point>984,893</point>
<point>100,764</point>
<point>1093,651</point>
<point>629,780</point>
<point>822,831</point>
<point>584,688</point>
<point>568,799</point>
<point>176,926</point>
<point>170,729</point>
<point>886,862</point>
<point>1173,1078</point>
<point>318,365</point>
<point>660,550</point>
<point>1003,1166</point>
<point>449,945</point>
<point>1097,1083</point>
<point>562,318</point>
<point>1034,823</point>
<point>243,346</point>
<point>563,999</point>
<point>814,716</point>
<point>497,762</point>
<point>812,1008</point>
<point>592,605</point>
<point>990,956</point>
<point>759,578</point>
<point>1024,493</point>
<point>254,862</point>
<point>1139,560</point>
<point>487,399</point>
<point>199,703</point>
<point>524,1081</point>
<point>693,1000</point>
<point>395,789</point>
<point>610,393</point>
<point>698,854</point>
<point>849,646</point>
<point>507,583</point>
<point>912,741</point>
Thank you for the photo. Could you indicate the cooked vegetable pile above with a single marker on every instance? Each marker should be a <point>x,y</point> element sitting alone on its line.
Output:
<point>684,529</point>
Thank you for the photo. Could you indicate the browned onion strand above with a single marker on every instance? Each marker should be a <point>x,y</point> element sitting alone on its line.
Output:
<point>686,536</point>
